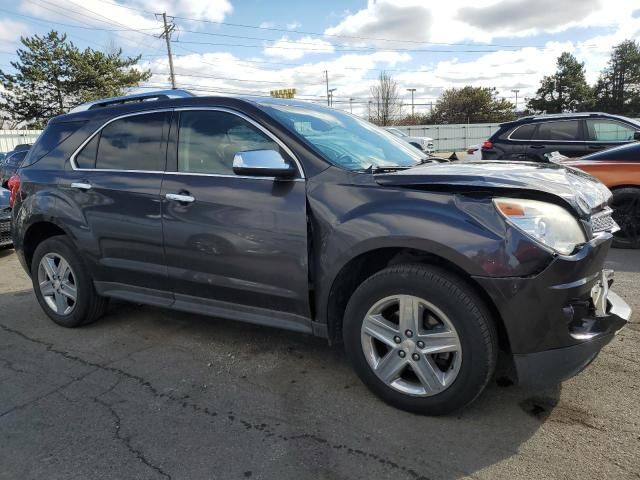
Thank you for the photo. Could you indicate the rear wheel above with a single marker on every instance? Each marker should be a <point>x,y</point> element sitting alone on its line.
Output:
<point>420,339</point>
<point>62,284</point>
<point>626,212</point>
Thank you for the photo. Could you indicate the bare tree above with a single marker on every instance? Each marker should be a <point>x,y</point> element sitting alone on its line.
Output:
<point>385,100</point>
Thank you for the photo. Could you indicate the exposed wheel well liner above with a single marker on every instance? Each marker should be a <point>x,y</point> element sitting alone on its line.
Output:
<point>363,266</point>
<point>36,234</point>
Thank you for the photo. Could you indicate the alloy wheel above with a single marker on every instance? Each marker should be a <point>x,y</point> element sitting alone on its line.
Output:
<point>57,284</point>
<point>411,345</point>
<point>626,213</point>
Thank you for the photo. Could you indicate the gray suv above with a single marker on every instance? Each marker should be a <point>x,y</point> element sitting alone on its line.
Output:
<point>293,215</point>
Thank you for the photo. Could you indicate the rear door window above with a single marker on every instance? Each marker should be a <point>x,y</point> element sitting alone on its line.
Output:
<point>136,142</point>
<point>609,131</point>
<point>133,143</point>
<point>564,131</point>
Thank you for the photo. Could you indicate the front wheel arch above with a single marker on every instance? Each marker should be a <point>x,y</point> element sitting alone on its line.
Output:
<point>367,264</point>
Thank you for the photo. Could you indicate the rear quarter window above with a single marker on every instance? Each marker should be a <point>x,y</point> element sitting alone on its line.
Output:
<point>52,136</point>
<point>523,132</point>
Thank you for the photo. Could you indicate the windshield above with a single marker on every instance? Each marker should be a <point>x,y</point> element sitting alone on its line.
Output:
<point>345,140</point>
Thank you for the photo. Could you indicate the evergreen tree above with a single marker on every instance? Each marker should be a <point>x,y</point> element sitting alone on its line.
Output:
<point>564,91</point>
<point>53,75</point>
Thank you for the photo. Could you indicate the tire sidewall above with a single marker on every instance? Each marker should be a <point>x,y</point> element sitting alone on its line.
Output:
<point>84,285</point>
<point>467,314</point>
<point>622,194</point>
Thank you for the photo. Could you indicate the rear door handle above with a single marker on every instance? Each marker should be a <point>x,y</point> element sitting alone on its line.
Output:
<point>537,146</point>
<point>174,197</point>
<point>81,186</point>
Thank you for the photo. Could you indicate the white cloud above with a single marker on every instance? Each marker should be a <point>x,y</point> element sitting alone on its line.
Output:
<point>11,31</point>
<point>267,25</point>
<point>477,20</point>
<point>294,49</point>
<point>294,25</point>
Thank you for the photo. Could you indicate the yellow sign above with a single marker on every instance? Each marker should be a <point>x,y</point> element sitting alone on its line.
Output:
<point>284,93</point>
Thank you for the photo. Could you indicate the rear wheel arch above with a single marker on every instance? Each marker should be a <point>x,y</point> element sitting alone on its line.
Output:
<point>37,233</point>
<point>367,264</point>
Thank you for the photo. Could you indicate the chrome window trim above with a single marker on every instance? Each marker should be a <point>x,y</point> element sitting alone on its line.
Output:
<point>74,165</point>
<point>255,124</point>
<point>568,141</point>
<point>72,158</point>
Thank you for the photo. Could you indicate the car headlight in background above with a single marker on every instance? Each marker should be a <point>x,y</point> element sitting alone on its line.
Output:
<point>547,223</point>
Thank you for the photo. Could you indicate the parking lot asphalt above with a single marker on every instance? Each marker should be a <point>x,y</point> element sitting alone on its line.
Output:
<point>147,393</point>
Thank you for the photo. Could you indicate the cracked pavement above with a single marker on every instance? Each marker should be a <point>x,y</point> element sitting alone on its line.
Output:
<point>146,393</point>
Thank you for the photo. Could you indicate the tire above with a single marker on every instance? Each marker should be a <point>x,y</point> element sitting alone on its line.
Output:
<point>87,307</point>
<point>447,307</point>
<point>626,212</point>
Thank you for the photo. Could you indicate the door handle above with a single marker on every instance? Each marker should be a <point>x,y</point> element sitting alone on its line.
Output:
<point>537,146</point>
<point>596,147</point>
<point>174,197</point>
<point>81,186</point>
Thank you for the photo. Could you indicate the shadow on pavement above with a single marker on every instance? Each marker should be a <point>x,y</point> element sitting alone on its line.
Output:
<point>232,398</point>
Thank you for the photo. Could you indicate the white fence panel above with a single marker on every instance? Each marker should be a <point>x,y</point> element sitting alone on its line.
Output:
<point>453,138</point>
<point>10,138</point>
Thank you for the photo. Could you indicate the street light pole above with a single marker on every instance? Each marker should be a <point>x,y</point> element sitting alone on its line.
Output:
<point>411,90</point>
<point>331,90</point>
<point>351,105</point>
<point>516,92</point>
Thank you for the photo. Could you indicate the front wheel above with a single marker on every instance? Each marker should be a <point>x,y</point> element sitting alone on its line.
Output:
<point>420,339</point>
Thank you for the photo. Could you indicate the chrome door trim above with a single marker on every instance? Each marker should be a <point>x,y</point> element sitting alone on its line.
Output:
<point>569,141</point>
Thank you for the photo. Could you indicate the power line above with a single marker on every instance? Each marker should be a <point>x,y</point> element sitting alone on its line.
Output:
<point>49,22</point>
<point>213,77</point>
<point>325,50</point>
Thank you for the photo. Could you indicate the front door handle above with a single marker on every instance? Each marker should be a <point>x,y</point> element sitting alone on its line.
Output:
<point>537,146</point>
<point>81,186</point>
<point>175,197</point>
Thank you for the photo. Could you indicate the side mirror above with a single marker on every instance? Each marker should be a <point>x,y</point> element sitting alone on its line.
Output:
<point>636,135</point>
<point>262,163</point>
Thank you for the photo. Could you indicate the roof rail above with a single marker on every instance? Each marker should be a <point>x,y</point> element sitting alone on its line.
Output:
<point>136,97</point>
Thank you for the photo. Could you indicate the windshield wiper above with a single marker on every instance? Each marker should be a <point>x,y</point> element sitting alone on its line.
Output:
<point>383,169</point>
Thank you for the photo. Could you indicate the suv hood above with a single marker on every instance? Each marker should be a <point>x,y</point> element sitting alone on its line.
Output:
<point>582,191</point>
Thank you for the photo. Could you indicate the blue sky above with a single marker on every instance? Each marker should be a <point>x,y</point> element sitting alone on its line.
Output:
<point>253,46</point>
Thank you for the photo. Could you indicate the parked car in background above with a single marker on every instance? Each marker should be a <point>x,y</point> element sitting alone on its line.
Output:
<point>5,219</point>
<point>422,143</point>
<point>10,165</point>
<point>295,215</point>
<point>619,169</point>
<point>570,134</point>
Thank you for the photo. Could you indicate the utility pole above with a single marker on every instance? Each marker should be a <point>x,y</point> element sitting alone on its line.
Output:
<point>411,90</point>
<point>326,74</point>
<point>351,106</point>
<point>516,92</point>
<point>166,34</point>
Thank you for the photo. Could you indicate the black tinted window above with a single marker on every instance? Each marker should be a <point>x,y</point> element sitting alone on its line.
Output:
<point>87,156</point>
<point>51,137</point>
<point>133,143</point>
<point>209,140</point>
<point>523,132</point>
<point>567,130</point>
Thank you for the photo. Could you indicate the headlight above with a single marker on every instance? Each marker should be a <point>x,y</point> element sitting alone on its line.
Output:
<point>546,223</point>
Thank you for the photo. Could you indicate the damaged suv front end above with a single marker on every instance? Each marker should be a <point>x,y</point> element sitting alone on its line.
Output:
<point>548,279</point>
